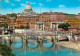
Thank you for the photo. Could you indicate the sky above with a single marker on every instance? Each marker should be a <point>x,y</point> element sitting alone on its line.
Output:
<point>40,6</point>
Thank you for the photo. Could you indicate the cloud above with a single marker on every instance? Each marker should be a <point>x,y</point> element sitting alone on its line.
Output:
<point>40,4</point>
<point>12,4</point>
<point>31,2</point>
<point>62,6</point>
<point>23,4</point>
<point>18,0</point>
<point>48,0</point>
<point>65,10</point>
<point>6,1</point>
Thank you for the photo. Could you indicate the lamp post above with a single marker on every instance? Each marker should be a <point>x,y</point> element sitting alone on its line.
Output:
<point>8,25</point>
<point>55,35</point>
<point>3,31</point>
<point>13,24</point>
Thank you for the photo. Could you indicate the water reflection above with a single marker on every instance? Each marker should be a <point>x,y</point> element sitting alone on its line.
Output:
<point>32,42</point>
<point>48,44</point>
<point>32,48</point>
<point>17,45</point>
<point>32,45</point>
<point>2,42</point>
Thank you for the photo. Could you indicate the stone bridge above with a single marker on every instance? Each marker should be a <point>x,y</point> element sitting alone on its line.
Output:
<point>40,37</point>
<point>24,37</point>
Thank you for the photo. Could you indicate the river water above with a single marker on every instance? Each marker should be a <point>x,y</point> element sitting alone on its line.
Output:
<point>41,49</point>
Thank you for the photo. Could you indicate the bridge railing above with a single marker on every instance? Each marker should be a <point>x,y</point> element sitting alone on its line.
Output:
<point>4,35</point>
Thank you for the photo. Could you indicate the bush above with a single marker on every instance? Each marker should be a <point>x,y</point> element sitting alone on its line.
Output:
<point>4,25</point>
<point>12,15</point>
<point>27,27</point>
<point>3,17</point>
<point>22,27</point>
<point>64,26</point>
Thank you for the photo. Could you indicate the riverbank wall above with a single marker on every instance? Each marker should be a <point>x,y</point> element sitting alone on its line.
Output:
<point>70,45</point>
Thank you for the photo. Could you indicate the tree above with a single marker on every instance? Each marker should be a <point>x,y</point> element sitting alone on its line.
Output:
<point>4,25</point>
<point>64,26</point>
<point>27,27</point>
<point>22,27</point>
<point>3,17</point>
<point>12,15</point>
<point>5,50</point>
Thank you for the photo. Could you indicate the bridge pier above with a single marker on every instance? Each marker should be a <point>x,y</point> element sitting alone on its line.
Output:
<point>40,40</point>
<point>8,43</point>
<point>55,38</point>
<point>24,45</point>
<point>3,39</point>
<point>52,40</point>
<point>24,39</point>
<point>9,40</point>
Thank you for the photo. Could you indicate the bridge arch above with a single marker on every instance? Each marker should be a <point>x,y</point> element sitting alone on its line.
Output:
<point>63,38</point>
<point>49,38</point>
<point>19,48</point>
<point>14,39</point>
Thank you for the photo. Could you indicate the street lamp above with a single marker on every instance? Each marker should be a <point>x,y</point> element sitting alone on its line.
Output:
<point>3,31</point>
<point>56,35</point>
<point>13,24</point>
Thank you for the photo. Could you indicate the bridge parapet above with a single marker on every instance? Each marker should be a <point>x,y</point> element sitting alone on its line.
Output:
<point>4,35</point>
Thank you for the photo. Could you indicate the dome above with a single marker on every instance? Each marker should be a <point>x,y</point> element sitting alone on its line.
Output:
<point>28,6</point>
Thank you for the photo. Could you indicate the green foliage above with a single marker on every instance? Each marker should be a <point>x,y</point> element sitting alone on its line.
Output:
<point>4,25</point>
<point>22,27</point>
<point>12,15</point>
<point>3,17</point>
<point>64,26</point>
<point>5,51</point>
<point>27,27</point>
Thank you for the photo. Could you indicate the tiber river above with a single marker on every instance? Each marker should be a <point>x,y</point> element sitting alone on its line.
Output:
<point>32,48</point>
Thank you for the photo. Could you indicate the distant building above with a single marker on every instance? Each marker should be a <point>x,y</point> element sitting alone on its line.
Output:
<point>28,11</point>
<point>28,17</point>
<point>75,23</point>
<point>44,21</point>
<point>79,14</point>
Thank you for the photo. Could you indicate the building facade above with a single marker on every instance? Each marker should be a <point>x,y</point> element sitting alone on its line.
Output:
<point>44,21</point>
<point>27,18</point>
